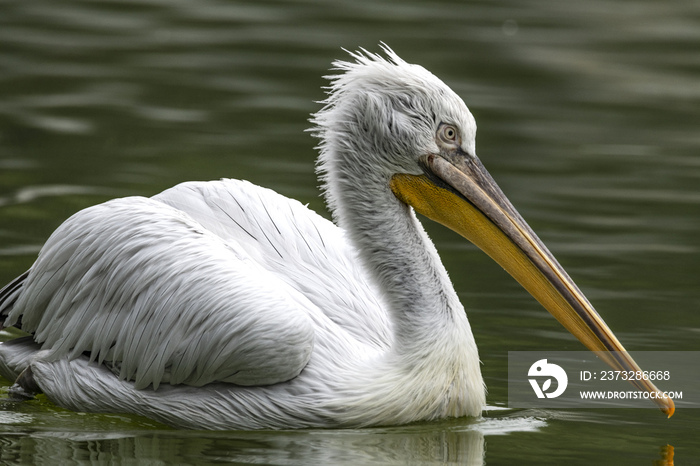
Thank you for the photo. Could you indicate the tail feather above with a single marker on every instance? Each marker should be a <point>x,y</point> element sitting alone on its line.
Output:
<point>9,294</point>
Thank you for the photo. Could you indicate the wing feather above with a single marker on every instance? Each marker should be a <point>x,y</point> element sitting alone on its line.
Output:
<point>217,281</point>
<point>143,285</point>
<point>301,248</point>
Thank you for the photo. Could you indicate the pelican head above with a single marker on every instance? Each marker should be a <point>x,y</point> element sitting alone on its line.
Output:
<point>382,118</point>
<point>393,133</point>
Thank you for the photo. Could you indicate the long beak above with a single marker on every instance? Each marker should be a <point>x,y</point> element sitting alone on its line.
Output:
<point>460,194</point>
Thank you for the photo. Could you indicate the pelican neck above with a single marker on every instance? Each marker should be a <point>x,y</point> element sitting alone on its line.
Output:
<point>394,247</point>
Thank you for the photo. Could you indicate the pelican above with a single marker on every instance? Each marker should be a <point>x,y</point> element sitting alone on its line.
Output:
<point>224,305</point>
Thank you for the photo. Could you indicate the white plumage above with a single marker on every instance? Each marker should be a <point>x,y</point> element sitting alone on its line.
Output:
<point>223,305</point>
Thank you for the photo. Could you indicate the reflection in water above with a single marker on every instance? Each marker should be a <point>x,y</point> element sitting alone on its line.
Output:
<point>666,456</point>
<point>381,447</point>
<point>458,442</point>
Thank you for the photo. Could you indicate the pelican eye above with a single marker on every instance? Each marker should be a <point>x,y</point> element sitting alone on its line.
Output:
<point>448,134</point>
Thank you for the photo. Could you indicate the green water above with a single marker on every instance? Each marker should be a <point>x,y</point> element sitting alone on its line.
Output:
<point>588,118</point>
